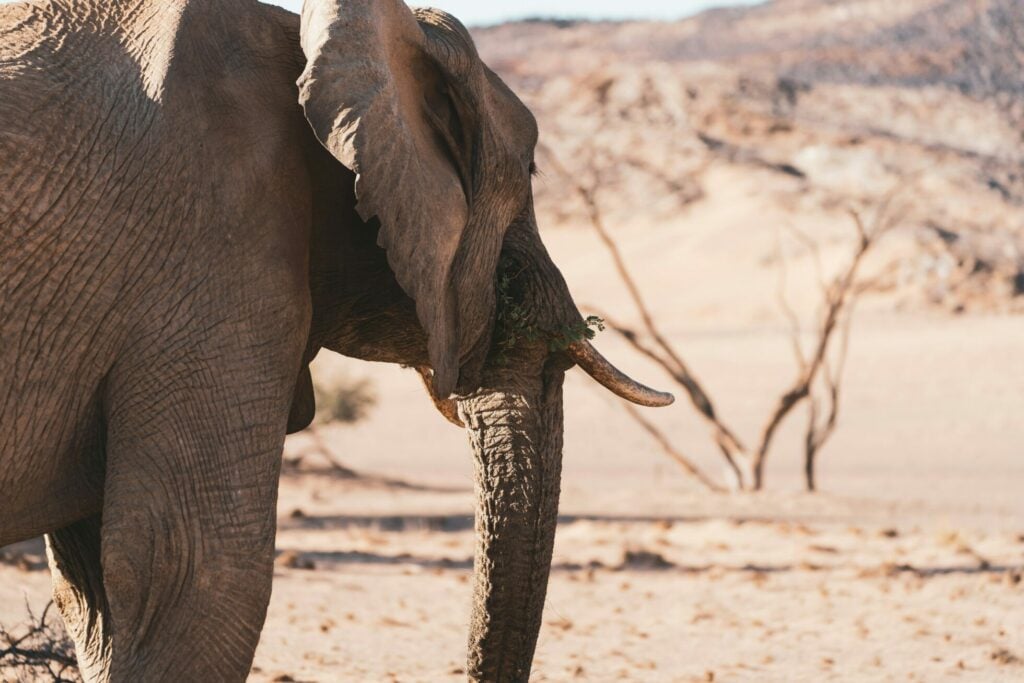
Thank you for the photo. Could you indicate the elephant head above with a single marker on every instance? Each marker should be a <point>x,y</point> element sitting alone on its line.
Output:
<point>442,156</point>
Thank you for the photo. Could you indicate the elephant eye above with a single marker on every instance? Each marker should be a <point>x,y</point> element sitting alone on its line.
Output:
<point>534,171</point>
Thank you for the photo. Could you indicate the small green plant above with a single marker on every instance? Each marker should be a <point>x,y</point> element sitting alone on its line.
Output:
<point>585,329</point>
<point>515,322</point>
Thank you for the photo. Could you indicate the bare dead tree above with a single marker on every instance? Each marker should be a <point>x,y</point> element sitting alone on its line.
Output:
<point>746,466</point>
<point>839,296</point>
<point>818,432</point>
<point>661,352</point>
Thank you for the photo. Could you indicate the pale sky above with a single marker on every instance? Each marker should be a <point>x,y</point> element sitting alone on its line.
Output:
<point>475,12</point>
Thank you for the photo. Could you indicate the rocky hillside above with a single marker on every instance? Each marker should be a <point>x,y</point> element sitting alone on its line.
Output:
<point>832,103</point>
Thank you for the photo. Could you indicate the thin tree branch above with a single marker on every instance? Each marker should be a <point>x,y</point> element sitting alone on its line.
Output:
<point>818,435</point>
<point>671,452</point>
<point>727,443</point>
<point>787,308</point>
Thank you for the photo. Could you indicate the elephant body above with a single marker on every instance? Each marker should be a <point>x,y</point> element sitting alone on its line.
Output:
<point>182,228</point>
<point>147,232</point>
<point>153,311</point>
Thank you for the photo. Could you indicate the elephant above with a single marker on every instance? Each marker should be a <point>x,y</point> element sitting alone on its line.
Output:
<point>196,198</point>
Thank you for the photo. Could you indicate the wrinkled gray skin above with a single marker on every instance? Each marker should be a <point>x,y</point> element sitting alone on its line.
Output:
<point>179,237</point>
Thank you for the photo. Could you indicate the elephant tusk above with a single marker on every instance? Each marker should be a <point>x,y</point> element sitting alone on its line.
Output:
<point>613,379</point>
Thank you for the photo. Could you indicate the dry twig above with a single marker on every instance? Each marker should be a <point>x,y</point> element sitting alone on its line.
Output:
<point>42,652</point>
<point>669,450</point>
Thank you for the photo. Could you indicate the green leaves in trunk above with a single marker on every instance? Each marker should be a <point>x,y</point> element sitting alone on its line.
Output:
<point>515,322</point>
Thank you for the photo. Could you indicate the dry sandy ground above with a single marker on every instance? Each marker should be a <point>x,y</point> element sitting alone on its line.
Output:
<point>371,587</point>
<point>908,567</point>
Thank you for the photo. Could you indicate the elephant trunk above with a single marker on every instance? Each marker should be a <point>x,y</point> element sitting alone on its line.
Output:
<point>516,435</point>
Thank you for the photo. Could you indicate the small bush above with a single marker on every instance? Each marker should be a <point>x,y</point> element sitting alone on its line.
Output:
<point>343,401</point>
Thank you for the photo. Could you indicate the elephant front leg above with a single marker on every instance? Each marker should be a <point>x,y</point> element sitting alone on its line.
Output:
<point>193,458</point>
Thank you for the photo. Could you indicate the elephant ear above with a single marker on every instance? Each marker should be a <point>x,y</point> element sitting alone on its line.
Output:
<point>371,92</point>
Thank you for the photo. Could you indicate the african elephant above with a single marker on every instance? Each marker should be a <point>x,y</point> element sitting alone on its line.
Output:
<point>195,199</point>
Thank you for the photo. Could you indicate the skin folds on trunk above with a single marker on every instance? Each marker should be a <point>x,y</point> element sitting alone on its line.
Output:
<point>516,436</point>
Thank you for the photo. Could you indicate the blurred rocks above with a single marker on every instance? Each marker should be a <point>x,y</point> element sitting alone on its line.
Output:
<point>840,101</point>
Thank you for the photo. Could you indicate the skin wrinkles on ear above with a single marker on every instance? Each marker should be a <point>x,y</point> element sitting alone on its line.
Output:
<point>363,101</point>
<point>451,121</point>
<point>477,135</point>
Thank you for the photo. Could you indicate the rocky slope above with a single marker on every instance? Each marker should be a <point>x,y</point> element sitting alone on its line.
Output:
<point>830,103</point>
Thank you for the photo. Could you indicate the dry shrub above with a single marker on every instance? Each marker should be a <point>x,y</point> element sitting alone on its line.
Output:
<point>39,650</point>
<point>343,401</point>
